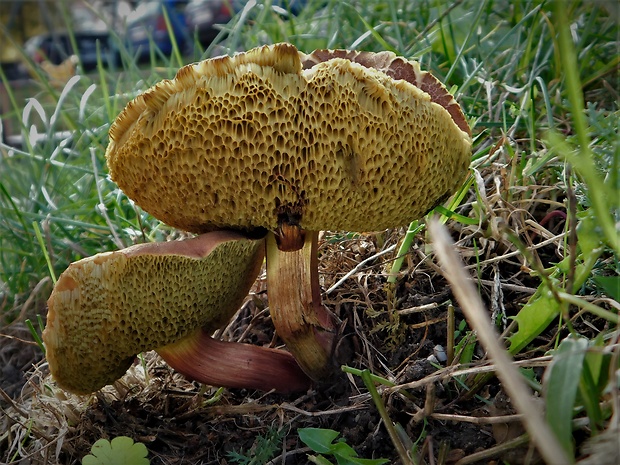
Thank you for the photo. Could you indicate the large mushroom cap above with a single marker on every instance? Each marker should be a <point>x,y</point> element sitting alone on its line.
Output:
<point>333,140</point>
<point>107,308</point>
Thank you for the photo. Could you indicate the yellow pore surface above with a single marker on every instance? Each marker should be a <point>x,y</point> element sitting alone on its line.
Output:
<point>106,309</point>
<point>245,141</point>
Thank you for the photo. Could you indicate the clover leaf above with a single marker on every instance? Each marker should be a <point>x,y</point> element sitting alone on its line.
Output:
<point>322,441</point>
<point>120,450</point>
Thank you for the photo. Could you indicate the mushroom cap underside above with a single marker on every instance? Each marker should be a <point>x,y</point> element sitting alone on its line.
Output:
<point>106,309</point>
<point>323,141</point>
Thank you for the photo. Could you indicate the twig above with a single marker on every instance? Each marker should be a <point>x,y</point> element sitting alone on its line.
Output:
<point>418,309</point>
<point>351,408</point>
<point>509,287</point>
<point>458,370</point>
<point>250,408</point>
<point>33,294</point>
<point>572,228</point>
<point>494,451</point>
<point>359,266</point>
<point>516,252</point>
<point>477,420</point>
<point>451,328</point>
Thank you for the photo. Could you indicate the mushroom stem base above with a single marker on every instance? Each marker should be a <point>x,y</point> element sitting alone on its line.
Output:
<point>300,319</point>
<point>234,365</point>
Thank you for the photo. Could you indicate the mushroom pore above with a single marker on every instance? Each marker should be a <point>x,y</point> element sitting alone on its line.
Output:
<point>169,297</point>
<point>292,143</point>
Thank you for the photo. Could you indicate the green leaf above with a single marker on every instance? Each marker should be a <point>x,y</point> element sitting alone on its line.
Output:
<point>455,216</point>
<point>588,232</point>
<point>358,461</point>
<point>319,460</point>
<point>35,335</point>
<point>120,450</point>
<point>342,449</point>
<point>594,379</point>
<point>466,347</point>
<point>318,439</point>
<point>560,387</point>
<point>610,284</point>
<point>598,362</point>
<point>589,396</point>
<point>533,318</point>
<point>322,441</point>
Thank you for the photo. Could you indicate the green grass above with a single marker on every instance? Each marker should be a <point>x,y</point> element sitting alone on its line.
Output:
<point>539,84</point>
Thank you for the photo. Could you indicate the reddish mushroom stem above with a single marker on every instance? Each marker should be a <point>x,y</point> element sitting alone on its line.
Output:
<point>234,365</point>
<point>299,317</point>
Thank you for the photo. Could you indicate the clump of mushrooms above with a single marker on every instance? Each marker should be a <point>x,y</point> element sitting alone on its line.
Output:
<point>277,142</point>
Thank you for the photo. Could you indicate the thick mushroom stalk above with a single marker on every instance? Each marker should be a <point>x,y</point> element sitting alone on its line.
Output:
<point>169,297</point>
<point>298,315</point>
<point>234,365</point>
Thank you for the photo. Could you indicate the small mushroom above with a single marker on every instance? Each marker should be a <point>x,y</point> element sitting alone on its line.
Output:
<point>169,297</point>
<point>275,139</point>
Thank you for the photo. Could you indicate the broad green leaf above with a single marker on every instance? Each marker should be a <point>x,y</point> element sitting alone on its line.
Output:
<point>542,307</point>
<point>318,439</point>
<point>560,387</point>
<point>610,284</point>
<point>342,449</point>
<point>533,318</point>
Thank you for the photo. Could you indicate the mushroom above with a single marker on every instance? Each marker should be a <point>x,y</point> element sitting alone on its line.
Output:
<point>169,297</point>
<point>273,139</point>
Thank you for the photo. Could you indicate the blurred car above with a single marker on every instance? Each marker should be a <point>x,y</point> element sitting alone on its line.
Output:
<point>203,17</point>
<point>146,27</point>
<point>57,48</point>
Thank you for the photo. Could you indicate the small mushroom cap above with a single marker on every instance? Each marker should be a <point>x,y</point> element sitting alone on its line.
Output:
<point>332,140</point>
<point>106,309</point>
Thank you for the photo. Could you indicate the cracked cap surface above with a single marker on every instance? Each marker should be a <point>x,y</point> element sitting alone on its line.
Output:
<point>335,140</point>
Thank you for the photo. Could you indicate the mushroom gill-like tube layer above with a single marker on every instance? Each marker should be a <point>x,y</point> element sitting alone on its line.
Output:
<point>261,138</point>
<point>106,309</point>
<point>295,144</point>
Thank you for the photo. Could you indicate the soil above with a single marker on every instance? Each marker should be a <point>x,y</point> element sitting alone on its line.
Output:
<point>397,332</point>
